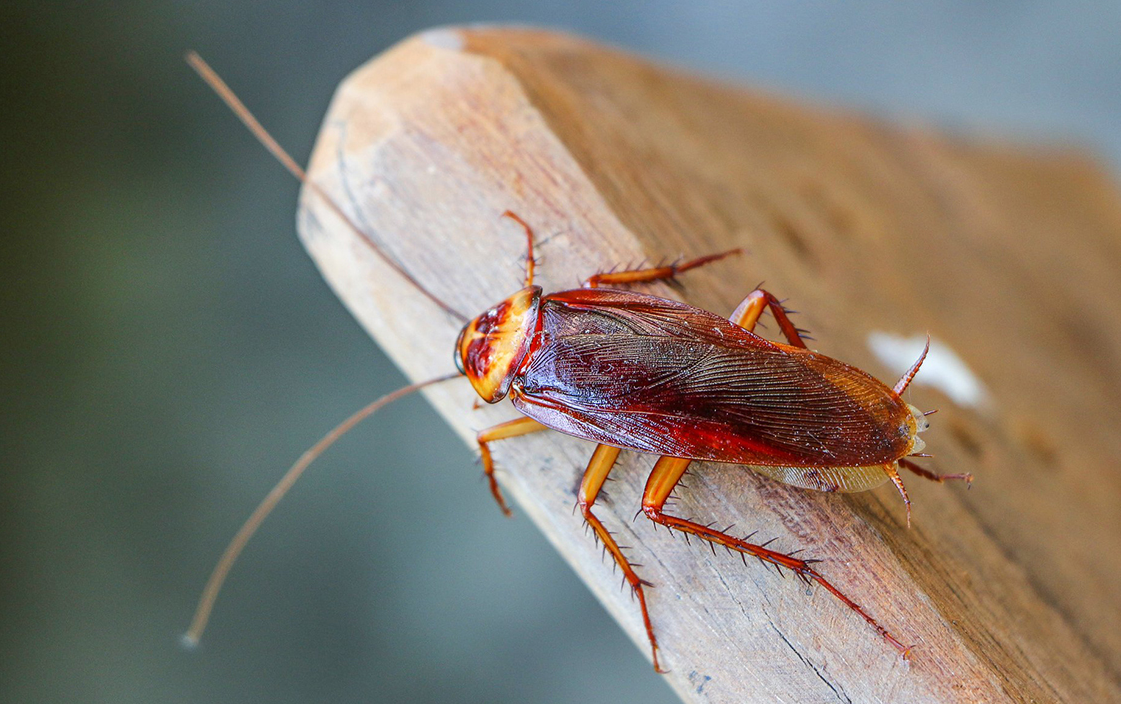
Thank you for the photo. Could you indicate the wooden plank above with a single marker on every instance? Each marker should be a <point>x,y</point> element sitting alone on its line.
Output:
<point>1010,259</point>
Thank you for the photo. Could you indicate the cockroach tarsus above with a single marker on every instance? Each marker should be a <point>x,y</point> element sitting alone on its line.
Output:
<point>633,371</point>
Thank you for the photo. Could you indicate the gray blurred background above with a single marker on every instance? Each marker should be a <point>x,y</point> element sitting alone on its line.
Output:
<point>168,348</point>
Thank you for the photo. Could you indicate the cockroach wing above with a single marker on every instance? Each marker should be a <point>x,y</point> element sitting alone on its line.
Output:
<point>662,377</point>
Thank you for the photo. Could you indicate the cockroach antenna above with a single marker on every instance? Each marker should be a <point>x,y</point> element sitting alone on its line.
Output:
<point>231,100</point>
<point>218,576</point>
<point>534,348</point>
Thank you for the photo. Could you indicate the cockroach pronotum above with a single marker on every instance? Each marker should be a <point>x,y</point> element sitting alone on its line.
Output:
<point>632,371</point>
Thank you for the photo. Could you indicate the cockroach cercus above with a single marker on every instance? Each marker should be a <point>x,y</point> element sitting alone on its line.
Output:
<point>631,371</point>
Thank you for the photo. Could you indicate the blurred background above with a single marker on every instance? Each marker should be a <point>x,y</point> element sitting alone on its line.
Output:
<point>168,348</point>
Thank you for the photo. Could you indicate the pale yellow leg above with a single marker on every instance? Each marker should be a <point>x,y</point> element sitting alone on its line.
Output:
<point>509,429</point>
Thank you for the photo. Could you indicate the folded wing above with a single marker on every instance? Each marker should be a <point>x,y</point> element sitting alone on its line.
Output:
<point>658,376</point>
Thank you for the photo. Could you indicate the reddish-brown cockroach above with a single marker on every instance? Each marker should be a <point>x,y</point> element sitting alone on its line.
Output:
<point>631,371</point>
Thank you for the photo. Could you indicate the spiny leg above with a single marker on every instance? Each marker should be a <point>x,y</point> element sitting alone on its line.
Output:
<point>892,471</point>
<point>509,429</point>
<point>747,313</point>
<point>635,276</point>
<point>603,459</point>
<point>669,470</point>
<point>665,476</point>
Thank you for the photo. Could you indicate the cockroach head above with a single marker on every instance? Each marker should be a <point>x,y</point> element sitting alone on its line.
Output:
<point>492,346</point>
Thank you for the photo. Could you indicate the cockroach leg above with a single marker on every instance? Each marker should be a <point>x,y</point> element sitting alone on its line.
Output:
<point>635,276</point>
<point>892,470</point>
<point>603,459</point>
<point>934,476</point>
<point>747,315</point>
<point>668,470</point>
<point>509,429</point>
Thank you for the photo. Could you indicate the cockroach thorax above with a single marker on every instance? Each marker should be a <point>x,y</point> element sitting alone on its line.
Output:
<point>492,346</point>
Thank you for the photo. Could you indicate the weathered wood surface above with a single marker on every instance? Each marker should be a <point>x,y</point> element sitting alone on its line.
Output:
<point>1010,591</point>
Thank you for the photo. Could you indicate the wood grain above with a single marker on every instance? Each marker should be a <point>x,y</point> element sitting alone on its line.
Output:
<point>1010,591</point>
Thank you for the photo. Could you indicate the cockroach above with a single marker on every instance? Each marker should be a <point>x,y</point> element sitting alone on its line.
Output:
<point>632,371</point>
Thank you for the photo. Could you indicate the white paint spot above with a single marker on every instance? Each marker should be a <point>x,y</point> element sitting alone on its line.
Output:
<point>943,368</point>
<point>444,38</point>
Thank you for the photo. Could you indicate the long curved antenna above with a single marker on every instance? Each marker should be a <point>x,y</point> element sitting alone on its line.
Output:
<point>530,262</point>
<point>905,380</point>
<point>218,576</point>
<point>224,92</point>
